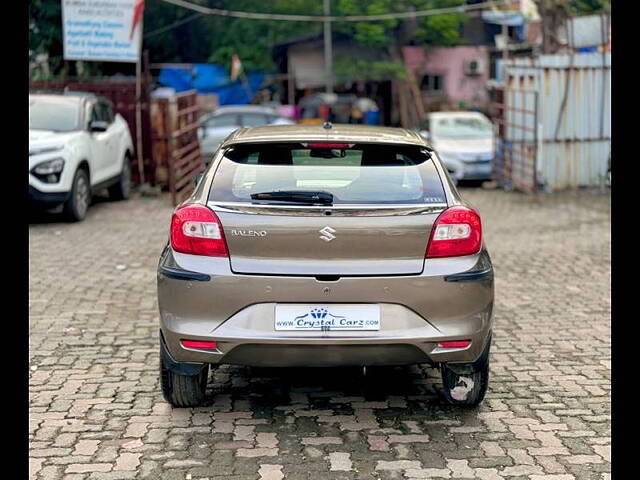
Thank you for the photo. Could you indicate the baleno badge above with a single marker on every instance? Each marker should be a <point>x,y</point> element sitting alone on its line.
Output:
<point>249,233</point>
<point>327,233</point>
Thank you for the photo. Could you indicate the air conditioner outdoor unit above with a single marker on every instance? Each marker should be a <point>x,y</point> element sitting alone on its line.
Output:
<point>473,67</point>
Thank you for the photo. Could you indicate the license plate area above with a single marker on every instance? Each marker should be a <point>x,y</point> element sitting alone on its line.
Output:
<point>327,317</point>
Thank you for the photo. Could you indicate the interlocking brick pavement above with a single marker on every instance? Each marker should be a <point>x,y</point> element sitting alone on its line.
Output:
<point>96,411</point>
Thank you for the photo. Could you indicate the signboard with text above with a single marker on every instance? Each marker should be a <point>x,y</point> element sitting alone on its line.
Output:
<point>102,30</point>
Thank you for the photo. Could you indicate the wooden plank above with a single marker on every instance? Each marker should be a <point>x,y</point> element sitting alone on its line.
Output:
<point>185,158</point>
<point>188,163</point>
<point>181,152</point>
<point>187,178</point>
<point>185,193</point>
<point>195,160</point>
<point>186,129</point>
<point>188,110</point>
<point>196,155</point>
<point>186,94</point>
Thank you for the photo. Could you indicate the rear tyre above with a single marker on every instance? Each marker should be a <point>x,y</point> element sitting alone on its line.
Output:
<point>122,189</point>
<point>76,206</point>
<point>467,385</point>
<point>183,390</point>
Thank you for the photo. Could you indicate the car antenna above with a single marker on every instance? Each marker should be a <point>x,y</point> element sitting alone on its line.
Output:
<point>327,125</point>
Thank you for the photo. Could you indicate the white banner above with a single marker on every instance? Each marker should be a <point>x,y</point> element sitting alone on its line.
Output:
<point>102,30</point>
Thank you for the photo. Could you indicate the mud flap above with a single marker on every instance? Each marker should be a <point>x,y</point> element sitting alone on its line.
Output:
<point>477,366</point>
<point>181,368</point>
<point>466,383</point>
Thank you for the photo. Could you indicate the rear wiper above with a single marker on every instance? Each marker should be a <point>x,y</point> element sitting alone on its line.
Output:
<point>296,196</point>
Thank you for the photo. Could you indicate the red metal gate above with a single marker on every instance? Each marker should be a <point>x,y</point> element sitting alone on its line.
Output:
<point>515,160</point>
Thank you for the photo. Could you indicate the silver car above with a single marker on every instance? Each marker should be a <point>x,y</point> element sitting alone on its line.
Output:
<point>217,126</point>
<point>465,143</point>
<point>325,246</point>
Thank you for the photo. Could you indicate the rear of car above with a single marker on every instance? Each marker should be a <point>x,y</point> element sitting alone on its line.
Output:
<point>305,246</point>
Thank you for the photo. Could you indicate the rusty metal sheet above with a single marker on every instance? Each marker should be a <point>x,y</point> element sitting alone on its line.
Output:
<point>574,115</point>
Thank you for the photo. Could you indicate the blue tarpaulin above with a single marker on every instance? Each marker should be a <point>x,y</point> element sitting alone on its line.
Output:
<point>210,78</point>
<point>510,18</point>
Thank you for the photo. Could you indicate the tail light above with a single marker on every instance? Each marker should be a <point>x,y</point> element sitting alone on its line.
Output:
<point>330,145</point>
<point>199,344</point>
<point>456,232</point>
<point>197,230</point>
<point>455,344</point>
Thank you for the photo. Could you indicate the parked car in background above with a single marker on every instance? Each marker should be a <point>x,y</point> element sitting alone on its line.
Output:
<point>314,245</point>
<point>464,142</point>
<point>77,146</point>
<point>217,126</point>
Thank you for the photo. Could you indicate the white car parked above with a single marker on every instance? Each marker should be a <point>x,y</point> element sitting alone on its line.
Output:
<point>77,146</point>
<point>217,126</point>
<point>464,141</point>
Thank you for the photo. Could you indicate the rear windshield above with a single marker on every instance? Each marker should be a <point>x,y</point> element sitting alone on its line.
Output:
<point>352,173</point>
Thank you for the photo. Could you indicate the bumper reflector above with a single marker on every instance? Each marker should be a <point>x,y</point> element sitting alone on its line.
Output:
<point>455,344</point>
<point>199,344</point>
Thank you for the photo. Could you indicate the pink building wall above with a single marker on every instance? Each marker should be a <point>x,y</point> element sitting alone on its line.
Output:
<point>449,62</point>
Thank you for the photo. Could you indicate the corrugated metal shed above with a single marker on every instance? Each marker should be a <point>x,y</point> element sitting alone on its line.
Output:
<point>573,112</point>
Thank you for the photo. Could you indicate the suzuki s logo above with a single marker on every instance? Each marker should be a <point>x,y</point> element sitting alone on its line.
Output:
<point>327,234</point>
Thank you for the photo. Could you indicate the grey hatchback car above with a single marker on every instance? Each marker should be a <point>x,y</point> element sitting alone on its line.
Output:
<point>325,246</point>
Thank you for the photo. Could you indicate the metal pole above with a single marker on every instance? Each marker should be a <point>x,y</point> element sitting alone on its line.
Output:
<point>291,95</point>
<point>139,120</point>
<point>505,46</point>
<point>328,49</point>
<point>537,142</point>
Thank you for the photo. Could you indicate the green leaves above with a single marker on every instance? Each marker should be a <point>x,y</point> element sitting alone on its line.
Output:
<point>215,39</point>
<point>441,30</point>
<point>348,69</point>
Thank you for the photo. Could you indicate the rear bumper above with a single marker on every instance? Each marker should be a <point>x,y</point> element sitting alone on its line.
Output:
<point>469,171</point>
<point>477,176</point>
<point>477,171</point>
<point>451,300</point>
<point>346,354</point>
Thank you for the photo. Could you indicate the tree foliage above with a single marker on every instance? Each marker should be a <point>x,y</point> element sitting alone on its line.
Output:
<point>215,39</point>
<point>348,69</point>
<point>209,38</point>
<point>575,7</point>
<point>45,30</point>
<point>555,12</point>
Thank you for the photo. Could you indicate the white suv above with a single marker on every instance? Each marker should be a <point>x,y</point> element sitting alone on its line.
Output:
<point>77,146</point>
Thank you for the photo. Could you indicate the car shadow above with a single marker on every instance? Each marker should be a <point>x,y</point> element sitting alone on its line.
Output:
<point>39,216</point>
<point>269,388</point>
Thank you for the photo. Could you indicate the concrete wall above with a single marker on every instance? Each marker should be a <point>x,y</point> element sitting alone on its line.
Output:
<point>449,62</point>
